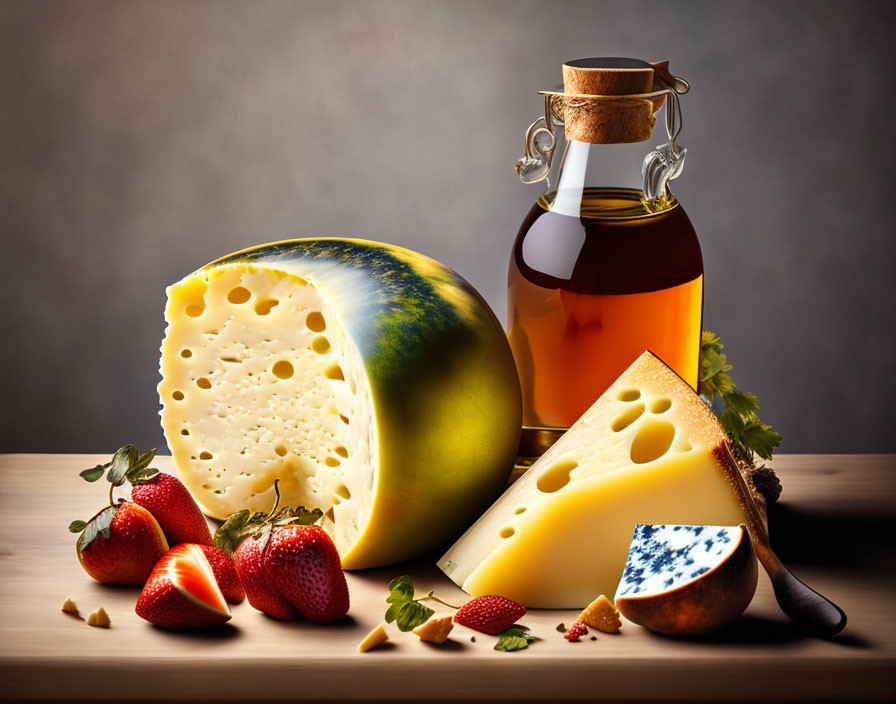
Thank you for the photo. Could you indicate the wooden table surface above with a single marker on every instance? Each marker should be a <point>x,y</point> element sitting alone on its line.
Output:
<point>834,528</point>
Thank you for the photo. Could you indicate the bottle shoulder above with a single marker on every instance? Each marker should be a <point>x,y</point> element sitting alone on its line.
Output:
<point>603,255</point>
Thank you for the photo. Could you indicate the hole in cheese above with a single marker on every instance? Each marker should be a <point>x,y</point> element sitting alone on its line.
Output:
<point>178,395</point>
<point>506,531</point>
<point>521,509</point>
<point>332,462</point>
<point>194,310</point>
<point>343,492</point>
<point>660,405</point>
<point>344,419</point>
<point>629,395</point>
<point>203,383</point>
<point>334,372</point>
<point>283,369</point>
<point>264,306</point>
<point>238,295</point>
<point>653,440</point>
<point>627,417</point>
<point>205,455</point>
<point>315,322</point>
<point>556,476</point>
<point>321,344</point>
<point>341,451</point>
<point>184,432</point>
<point>281,450</point>
<point>186,353</point>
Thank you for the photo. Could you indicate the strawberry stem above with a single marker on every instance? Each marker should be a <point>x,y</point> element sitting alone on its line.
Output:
<point>432,597</point>
<point>111,489</point>
<point>277,502</point>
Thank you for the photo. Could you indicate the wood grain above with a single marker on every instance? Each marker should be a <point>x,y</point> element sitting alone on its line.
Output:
<point>833,528</point>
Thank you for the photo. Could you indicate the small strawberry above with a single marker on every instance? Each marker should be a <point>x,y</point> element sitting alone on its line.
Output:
<point>166,498</point>
<point>303,565</point>
<point>489,614</point>
<point>225,574</point>
<point>120,545</point>
<point>182,592</point>
<point>286,565</point>
<point>249,565</point>
<point>575,632</point>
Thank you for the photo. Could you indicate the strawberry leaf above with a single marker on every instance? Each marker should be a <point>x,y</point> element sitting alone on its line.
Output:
<point>77,526</point>
<point>233,531</point>
<point>141,463</point>
<point>92,474</point>
<point>100,524</point>
<point>515,638</point>
<point>122,461</point>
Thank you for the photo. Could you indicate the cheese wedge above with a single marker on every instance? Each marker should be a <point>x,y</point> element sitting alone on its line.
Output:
<point>373,382</point>
<point>648,451</point>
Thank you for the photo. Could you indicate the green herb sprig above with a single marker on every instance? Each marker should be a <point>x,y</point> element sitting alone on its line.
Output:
<point>739,410</point>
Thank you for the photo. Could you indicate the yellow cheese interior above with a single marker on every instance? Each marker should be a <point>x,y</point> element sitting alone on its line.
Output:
<point>643,453</point>
<point>260,382</point>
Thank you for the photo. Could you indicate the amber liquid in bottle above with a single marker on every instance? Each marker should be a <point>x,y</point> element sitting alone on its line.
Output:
<point>588,294</point>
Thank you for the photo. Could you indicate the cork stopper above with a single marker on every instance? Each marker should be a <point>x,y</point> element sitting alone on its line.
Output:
<point>592,113</point>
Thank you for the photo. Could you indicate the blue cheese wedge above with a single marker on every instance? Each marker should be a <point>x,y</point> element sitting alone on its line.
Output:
<point>687,579</point>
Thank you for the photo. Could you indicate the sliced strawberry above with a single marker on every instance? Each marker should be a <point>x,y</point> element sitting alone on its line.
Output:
<point>225,574</point>
<point>303,564</point>
<point>261,594</point>
<point>182,592</point>
<point>489,614</point>
<point>166,498</point>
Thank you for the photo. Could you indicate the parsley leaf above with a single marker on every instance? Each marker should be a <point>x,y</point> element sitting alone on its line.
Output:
<point>737,410</point>
<point>407,612</point>
<point>412,614</point>
<point>515,638</point>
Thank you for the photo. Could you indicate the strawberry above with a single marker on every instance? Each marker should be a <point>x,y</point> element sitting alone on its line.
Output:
<point>303,564</point>
<point>261,594</point>
<point>225,574</point>
<point>489,614</point>
<point>575,632</point>
<point>166,498</point>
<point>120,545</point>
<point>182,592</point>
<point>287,565</point>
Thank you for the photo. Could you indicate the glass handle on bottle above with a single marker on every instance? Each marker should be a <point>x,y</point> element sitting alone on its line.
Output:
<point>540,142</point>
<point>536,164</point>
<point>666,161</point>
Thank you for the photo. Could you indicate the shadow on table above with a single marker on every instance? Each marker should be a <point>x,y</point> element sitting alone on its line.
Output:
<point>840,540</point>
<point>761,631</point>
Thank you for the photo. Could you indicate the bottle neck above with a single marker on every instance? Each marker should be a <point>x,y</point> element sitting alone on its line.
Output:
<point>638,171</point>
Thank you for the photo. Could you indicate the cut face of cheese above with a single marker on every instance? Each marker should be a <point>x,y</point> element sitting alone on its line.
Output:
<point>648,451</point>
<point>662,558</point>
<point>366,380</point>
<point>261,382</point>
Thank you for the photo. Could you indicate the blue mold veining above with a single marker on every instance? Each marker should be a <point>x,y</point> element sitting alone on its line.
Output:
<point>664,557</point>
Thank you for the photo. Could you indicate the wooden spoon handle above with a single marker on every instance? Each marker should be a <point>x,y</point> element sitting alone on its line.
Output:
<point>805,607</point>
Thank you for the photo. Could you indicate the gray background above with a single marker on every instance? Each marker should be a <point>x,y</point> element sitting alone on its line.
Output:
<point>142,139</point>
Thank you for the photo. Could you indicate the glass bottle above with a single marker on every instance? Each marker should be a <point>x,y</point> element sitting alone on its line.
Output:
<point>606,264</point>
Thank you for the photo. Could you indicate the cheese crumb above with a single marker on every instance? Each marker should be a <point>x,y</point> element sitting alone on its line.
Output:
<point>70,607</point>
<point>99,618</point>
<point>376,637</point>
<point>436,629</point>
<point>602,615</point>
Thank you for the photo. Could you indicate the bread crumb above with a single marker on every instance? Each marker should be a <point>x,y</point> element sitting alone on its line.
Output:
<point>99,618</point>
<point>602,615</point>
<point>376,637</point>
<point>436,629</point>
